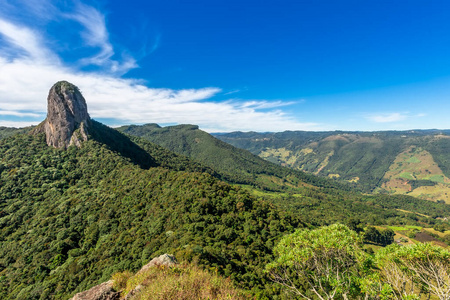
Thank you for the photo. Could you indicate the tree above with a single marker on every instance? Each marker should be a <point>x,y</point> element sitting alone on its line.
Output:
<point>381,237</point>
<point>323,263</point>
<point>416,269</point>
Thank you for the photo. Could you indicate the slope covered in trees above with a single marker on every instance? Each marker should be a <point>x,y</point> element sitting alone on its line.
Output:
<point>9,131</point>
<point>70,219</point>
<point>235,165</point>
<point>312,201</point>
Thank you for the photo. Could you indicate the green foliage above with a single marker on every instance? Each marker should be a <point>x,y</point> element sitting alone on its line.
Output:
<point>381,237</point>
<point>320,206</point>
<point>313,203</point>
<point>417,269</point>
<point>8,131</point>
<point>70,219</point>
<point>442,227</point>
<point>232,164</point>
<point>326,261</point>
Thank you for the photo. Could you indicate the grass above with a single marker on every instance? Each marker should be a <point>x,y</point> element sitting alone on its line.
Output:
<point>413,227</point>
<point>406,175</point>
<point>440,234</point>
<point>437,178</point>
<point>184,282</point>
<point>397,228</point>
<point>413,160</point>
<point>412,212</point>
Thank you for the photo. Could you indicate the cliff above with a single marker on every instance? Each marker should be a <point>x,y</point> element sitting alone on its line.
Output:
<point>67,121</point>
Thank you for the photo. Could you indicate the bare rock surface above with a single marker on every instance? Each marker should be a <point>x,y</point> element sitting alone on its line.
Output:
<point>162,260</point>
<point>67,119</point>
<point>102,291</point>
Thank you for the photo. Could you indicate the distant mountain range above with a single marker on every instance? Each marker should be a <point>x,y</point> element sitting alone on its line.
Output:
<point>415,162</point>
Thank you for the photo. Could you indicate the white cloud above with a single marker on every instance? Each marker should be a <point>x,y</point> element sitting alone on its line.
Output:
<point>25,80</point>
<point>19,114</point>
<point>25,40</point>
<point>24,86</point>
<point>387,117</point>
<point>16,124</point>
<point>263,104</point>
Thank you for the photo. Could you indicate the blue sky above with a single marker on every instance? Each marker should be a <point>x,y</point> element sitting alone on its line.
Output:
<point>231,65</point>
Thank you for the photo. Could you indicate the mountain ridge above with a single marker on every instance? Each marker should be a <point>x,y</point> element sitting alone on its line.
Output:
<point>362,157</point>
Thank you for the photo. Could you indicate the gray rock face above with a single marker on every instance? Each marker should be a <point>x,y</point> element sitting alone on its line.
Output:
<point>67,119</point>
<point>162,260</point>
<point>102,291</point>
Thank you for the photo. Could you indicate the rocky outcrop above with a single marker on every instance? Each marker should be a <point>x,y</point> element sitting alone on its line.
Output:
<point>105,291</point>
<point>67,119</point>
<point>162,260</point>
<point>102,291</point>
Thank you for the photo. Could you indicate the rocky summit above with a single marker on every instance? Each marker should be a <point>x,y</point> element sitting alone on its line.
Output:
<point>67,119</point>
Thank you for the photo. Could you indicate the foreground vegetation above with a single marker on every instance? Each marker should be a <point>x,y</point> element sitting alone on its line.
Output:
<point>330,263</point>
<point>185,281</point>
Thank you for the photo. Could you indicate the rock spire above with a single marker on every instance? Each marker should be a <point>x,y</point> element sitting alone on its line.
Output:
<point>67,119</point>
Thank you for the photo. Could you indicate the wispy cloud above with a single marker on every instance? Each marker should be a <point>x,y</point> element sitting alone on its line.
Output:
<point>232,92</point>
<point>29,68</point>
<point>264,104</point>
<point>95,34</point>
<point>387,117</point>
<point>19,114</point>
<point>23,42</point>
<point>15,124</point>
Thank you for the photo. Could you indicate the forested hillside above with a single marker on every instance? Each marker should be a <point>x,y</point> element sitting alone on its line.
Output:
<point>416,163</point>
<point>312,201</point>
<point>8,131</point>
<point>71,218</point>
<point>233,164</point>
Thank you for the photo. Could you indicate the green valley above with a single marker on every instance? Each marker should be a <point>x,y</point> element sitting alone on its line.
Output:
<point>405,162</point>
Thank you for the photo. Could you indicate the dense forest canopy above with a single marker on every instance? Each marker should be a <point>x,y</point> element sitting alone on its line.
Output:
<point>69,219</point>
